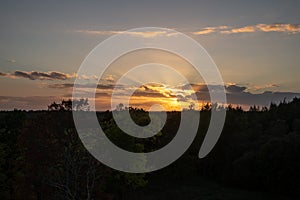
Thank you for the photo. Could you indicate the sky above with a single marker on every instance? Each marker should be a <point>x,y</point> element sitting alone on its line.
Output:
<point>255,44</point>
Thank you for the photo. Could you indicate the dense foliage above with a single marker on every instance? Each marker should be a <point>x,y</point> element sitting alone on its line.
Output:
<point>41,156</point>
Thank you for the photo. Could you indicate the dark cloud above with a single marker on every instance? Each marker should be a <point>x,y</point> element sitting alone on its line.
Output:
<point>183,98</point>
<point>235,95</point>
<point>202,87</point>
<point>107,86</point>
<point>154,94</point>
<point>22,74</point>
<point>215,88</point>
<point>61,86</point>
<point>71,85</point>
<point>235,89</point>
<point>238,95</point>
<point>155,85</point>
<point>102,94</point>
<point>262,99</point>
<point>35,75</point>
<point>195,87</point>
<point>143,91</point>
<point>202,96</point>
<point>242,98</point>
<point>41,75</point>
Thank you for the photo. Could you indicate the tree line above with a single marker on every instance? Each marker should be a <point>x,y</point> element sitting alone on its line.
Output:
<point>41,156</point>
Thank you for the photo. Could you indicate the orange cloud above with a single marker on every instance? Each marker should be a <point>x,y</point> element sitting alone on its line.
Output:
<point>109,78</point>
<point>246,29</point>
<point>205,31</point>
<point>263,87</point>
<point>290,28</point>
<point>209,30</point>
<point>144,34</point>
<point>280,27</point>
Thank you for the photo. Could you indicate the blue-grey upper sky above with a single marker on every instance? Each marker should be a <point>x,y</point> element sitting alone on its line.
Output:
<point>255,44</point>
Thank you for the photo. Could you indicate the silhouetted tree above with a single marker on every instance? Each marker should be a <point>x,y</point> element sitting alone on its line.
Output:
<point>68,105</point>
<point>192,106</point>
<point>120,107</point>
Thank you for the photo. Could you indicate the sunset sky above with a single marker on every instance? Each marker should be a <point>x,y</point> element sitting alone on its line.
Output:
<point>255,44</point>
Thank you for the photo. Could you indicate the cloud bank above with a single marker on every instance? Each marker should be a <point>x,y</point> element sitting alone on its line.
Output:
<point>35,75</point>
<point>238,95</point>
<point>52,75</point>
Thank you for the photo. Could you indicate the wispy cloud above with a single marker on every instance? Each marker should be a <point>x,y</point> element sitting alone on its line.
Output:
<point>263,87</point>
<point>208,30</point>
<point>290,28</point>
<point>246,29</point>
<point>11,60</point>
<point>276,27</point>
<point>109,78</point>
<point>144,34</point>
<point>224,29</point>
<point>205,31</point>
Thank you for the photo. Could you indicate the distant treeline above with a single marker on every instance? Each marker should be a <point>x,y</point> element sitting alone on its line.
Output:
<point>41,156</point>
